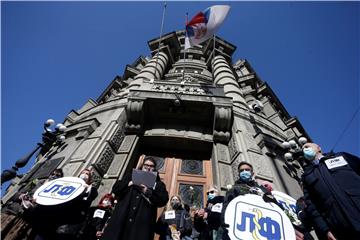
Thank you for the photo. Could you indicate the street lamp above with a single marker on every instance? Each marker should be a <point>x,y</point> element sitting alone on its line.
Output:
<point>50,137</point>
<point>293,148</point>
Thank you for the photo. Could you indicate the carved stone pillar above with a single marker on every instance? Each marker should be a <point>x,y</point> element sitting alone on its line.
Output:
<point>154,69</point>
<point>223,76</point>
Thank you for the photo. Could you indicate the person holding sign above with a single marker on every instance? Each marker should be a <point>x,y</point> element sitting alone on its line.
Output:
<point>332,193</point>
<point>175,222</point>
<point>134,216</point>
<point>15,222</point>
<point>244,185</point>
<point>207,221</point>
<point>71,215</point>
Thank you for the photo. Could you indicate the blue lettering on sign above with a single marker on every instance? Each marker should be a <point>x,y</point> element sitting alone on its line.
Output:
<point>67,190</point>
<point>269,228</point>
<point>60,189</point>
<point>293,207</point>
<point>55,187</point>
<point>290,207</point>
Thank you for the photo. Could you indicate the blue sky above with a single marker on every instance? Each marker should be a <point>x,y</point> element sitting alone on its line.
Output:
<point>57,55</point>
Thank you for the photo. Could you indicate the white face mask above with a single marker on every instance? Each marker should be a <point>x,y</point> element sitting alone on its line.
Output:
<point>84,177</point>
<point>106,203</point>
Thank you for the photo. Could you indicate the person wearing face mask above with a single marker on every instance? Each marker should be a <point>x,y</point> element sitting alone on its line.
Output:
<point>16,213</point>
<point>71,215</point>
<point>134,216</point>
<point>207,221</point>
<point>97,218</point>
<point>244,185</point>
<point>175,221</point>
<point>332,192</point>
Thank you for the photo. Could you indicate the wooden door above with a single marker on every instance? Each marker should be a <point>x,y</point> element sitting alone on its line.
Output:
<point>188,178</point>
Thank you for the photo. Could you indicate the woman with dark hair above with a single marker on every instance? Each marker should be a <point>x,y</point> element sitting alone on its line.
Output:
<point>134,216</point>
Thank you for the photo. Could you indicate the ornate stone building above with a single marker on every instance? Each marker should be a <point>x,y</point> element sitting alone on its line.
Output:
<point>198,113</point>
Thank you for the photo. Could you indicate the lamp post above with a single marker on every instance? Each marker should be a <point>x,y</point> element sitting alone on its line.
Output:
<point>293,148</point>
<point>50,138</point>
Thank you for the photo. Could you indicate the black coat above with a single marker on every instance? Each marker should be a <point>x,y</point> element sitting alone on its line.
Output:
<point>332,196</point>
<point>134,216</point>
<point>182,221</point>
<point>240,188</point>
<point>213,220</point>
<point>95,224</point>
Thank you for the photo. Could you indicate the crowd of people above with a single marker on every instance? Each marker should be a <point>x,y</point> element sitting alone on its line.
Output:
<point>330,206</point>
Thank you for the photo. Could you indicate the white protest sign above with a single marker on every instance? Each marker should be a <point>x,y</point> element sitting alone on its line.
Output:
<point>99,213</point>
<point>170,214</point>
<point>59,191</point>
<point>288,203</point>
<point>249,217</point>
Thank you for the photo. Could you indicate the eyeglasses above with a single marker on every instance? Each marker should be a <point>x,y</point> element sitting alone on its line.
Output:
<point>56,174</point>
<point>149,165</point>
<point>212,192</point>
<point>245,169</point>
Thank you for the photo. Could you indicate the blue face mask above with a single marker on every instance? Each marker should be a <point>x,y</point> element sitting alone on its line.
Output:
<point>309,154</point>
<point>211,196</point>
<point>245,176</point>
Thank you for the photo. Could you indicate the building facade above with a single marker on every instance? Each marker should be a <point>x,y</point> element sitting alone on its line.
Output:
<point>198,112</point>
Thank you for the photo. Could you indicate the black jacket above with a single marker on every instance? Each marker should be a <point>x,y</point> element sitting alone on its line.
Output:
<point>134,216</point>
<point>240,188</point>
<point>212,222</point>
<point>332,196</point>
<point>95,223</point>
<point>182,221</point>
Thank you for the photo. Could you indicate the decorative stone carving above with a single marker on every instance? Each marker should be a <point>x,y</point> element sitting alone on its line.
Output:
<point>135,116</point>
<point>118,137</point>
<point>194,90</point>
<point>222,124</point>
<point>96,178</point>
<point>106,157</point>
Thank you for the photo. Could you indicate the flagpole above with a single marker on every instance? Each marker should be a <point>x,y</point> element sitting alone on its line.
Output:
<point>161,31</point>
<point>214,56</point>
<point>183,77</point>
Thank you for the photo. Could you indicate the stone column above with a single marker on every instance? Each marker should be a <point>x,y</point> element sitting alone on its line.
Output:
<point>154,69</point>
<point>223,76</point>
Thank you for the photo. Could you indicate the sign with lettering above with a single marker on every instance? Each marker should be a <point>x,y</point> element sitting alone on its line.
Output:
<point>59,191</point>
<point>250,218</point>
<point>289,205</point>
<point>335,162</point>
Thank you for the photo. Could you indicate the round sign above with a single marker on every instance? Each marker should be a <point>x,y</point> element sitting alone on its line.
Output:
<point>289,205</point>
<point>249,217</point>
<point>59,191</point>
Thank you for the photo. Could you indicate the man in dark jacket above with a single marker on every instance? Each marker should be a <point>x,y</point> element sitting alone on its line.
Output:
<point>244,185</point>
<point>207,221</point>
<point>332,193</point>
<point>134,216</point>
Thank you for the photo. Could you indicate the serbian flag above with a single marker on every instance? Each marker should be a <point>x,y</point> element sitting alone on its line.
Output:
<point>204,25</point>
